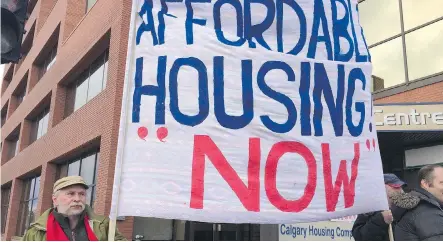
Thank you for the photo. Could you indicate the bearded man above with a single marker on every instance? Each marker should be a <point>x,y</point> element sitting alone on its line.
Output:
<point>71,218</point>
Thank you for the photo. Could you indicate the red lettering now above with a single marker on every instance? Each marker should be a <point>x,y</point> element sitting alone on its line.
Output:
<point>332,191</point>
<point>249,195</point>
<point>277,151</point>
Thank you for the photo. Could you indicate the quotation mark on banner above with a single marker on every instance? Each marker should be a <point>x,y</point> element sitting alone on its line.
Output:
<point>368,144</point>
<point>372,113</point>
<point>162,133</point>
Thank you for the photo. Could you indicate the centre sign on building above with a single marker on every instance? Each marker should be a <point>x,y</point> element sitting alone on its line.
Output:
<point>409,117</point>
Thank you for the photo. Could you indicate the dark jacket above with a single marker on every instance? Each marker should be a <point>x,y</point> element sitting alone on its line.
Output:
<point>422,217</point>
<point>372,226</point>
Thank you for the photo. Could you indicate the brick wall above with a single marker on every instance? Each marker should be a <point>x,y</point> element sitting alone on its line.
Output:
<point>429,93</point>
<point>93,125</point>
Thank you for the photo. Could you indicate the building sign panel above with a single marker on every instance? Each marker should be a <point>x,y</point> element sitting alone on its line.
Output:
<point>317,231</point>
<point>411,117</point>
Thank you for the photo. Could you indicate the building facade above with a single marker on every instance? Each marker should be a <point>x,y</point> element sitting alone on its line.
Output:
<point>405,42</point>
<point>60,106</point>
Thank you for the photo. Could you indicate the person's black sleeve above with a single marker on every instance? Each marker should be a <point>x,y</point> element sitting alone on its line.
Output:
<point>370,227</point>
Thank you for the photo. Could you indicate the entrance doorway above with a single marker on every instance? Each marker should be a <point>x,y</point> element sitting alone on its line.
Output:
<point>199,231</point>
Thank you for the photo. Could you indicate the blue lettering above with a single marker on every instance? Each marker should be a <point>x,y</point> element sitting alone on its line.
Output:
<point>281,228</point>
<point>319,15</point>
<point>217,22</point>
<point>158,91</point>
<point>305,109</point>
<point>355,130</point>
<point>322,85</point>
<point>203,99</point>
<point>144,27</point>
<point>161,20</point>
<point>301,16</point>
<point>340,29</point>
<point>190,20</point>
<point>256,31</point>
<point>279,97</point>
<point>225,120</point>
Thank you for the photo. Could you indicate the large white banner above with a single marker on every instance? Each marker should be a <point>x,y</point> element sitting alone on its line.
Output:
<point>247,111</point>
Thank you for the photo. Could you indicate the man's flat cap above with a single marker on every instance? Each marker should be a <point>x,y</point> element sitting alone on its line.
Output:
<point>69,181</point>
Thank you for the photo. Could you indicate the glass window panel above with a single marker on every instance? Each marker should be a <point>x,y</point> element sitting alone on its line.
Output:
<point>105,75</point>
<point>28,215</point>
<point>63,171</point>
<point>93,195</point>
<point>45,123</point>
<point>377,13</point>
<point>5,196</point>
<point>13,148</point>
<point>24,218</point>
<point>4,208</point>
<point>51,62</point>
<point>32,212</point>
<point>424,49</point>
<point>81,94</point>
<point>387,62</point>
<point>87,170</point>
<point>26,188</point>
<point>74,168</point>
<point>16,150</point>
<point>88,196</point>
<point>416,13</point>
<point>37,187</point>
<point>39,128</point>
<point>97,165</point>
<point>31,189</point>
<point>96,80</point>
<point>20,99</point>
<point>90,4</point>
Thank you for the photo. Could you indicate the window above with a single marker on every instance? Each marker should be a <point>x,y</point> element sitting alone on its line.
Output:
<point>28,39</point>
<point>20,92</point>
<point>40,125</point>
<point>404,49</point>
<point>424,50</point>
<point>387,62</point>
<point>5,206</point>
<point>416,13</point>
<point>376,13</point>
<point>49,61</point>
<point>8,77</point>
<point>13,148</point>
<point>3,114</point>
<point>89,4</point>
<point>86,167</point>
<point>28,204</point>
<point>91,82</point>
<point>20,97</point>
